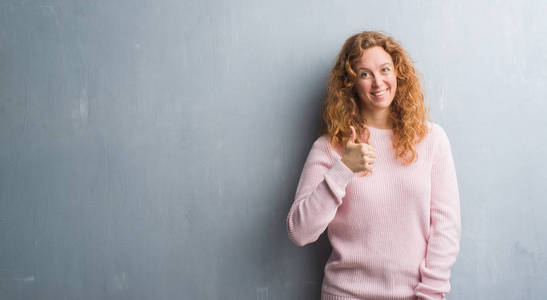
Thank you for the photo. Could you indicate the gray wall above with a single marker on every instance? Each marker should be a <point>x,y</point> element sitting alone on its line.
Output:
<point>151,149</point>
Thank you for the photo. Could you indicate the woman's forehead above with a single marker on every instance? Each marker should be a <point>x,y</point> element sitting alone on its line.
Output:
<point>374,57</point>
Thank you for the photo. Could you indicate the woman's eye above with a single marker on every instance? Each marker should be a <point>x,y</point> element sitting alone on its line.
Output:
<point>363,74</point>
<point>386,69</point>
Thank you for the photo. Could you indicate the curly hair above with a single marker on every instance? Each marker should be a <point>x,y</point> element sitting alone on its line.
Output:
<point>341,108</point>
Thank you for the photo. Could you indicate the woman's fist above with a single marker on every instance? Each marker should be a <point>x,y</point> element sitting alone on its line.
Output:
<point>358,157</point>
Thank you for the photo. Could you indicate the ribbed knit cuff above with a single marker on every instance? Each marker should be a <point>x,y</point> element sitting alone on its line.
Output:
<point>338,178</point>
<point>327,296</point>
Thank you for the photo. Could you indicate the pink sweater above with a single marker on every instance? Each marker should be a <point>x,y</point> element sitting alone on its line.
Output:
<point>395,233</point>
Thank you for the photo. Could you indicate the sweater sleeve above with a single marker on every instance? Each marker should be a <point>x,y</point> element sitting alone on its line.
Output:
<point>445,224</point>
<point>319,192</point>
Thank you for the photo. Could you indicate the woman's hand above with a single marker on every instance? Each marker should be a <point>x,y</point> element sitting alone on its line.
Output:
<point>358,157</point>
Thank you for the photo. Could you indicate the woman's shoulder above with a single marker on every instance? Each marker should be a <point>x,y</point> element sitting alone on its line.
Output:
<point>324,143</point>
<point>323,139</point>
<point>439,139</point>
<point>435,130</point>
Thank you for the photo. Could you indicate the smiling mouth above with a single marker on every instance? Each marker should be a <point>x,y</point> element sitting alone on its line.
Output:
<point>380,93</point>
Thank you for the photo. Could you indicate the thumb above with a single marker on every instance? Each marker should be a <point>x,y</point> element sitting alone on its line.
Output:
<point>353,137</point>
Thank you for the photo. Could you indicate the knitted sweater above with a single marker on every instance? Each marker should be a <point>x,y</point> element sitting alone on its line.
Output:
<point>395,233</point>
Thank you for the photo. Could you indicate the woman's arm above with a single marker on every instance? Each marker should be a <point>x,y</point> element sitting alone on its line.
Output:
<point>445,227</point>
<point>320,190</point>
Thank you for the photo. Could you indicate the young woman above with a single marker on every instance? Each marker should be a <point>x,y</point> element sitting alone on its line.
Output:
<point>382,178</point>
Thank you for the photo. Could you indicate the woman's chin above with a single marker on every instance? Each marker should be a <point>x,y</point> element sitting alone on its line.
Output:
<point>382,103</point>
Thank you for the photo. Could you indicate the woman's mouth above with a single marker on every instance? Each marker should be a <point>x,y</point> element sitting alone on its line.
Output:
<point>379,94</point>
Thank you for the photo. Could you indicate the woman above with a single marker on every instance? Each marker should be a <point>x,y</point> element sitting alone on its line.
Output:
<point>395,229</point>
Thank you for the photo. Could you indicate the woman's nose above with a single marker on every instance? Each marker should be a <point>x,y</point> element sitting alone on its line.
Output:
<point>376,81</point>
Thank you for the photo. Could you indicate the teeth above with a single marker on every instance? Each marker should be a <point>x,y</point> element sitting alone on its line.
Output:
<point>380,93</point>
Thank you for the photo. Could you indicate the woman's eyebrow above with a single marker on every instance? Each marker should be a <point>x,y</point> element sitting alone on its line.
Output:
<point>363,68</point>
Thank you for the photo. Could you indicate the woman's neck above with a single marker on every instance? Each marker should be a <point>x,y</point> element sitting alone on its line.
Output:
<point>378,120</point>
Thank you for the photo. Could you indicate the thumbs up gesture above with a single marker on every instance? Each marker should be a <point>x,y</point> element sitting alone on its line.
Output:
<point>358,157</point>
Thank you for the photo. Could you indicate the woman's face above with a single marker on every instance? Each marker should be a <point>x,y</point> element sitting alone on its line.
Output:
<point>376,79</point>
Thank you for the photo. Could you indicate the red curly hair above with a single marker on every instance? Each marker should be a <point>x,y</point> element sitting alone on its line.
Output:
<point>341,109</point>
